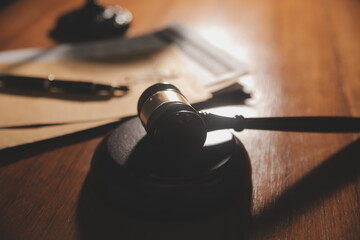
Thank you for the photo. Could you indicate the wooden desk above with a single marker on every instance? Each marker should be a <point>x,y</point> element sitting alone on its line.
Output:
<point>305,56</point>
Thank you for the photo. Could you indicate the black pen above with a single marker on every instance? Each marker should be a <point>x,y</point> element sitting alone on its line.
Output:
<point>51,84</point>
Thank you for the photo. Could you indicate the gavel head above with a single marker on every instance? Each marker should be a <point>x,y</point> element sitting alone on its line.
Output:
<point>170,120</point>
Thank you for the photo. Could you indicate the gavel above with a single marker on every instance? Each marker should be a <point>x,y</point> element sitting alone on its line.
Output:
<point>170,120</point>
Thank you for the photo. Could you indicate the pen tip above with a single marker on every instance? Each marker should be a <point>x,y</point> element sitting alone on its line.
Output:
<point>123,88</point>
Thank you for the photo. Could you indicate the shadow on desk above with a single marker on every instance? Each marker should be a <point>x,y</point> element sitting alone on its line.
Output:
<point>99,221</point>
<point>332,175</point>
<point>19,153</point>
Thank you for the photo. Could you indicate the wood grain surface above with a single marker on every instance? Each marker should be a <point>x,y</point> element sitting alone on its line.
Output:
<point>305,57</point>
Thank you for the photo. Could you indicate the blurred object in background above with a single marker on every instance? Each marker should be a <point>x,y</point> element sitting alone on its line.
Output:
<point>4,3</point>
<point>92,22</point>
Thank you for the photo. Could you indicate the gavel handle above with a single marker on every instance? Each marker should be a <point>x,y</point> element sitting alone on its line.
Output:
<point>295,124</point>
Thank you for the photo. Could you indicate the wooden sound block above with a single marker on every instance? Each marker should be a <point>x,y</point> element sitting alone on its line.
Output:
<point>134,174</point>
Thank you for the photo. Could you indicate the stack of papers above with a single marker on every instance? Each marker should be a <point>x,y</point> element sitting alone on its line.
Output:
<point>174,55</point>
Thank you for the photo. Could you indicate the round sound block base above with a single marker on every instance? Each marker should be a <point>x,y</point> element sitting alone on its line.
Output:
<point>134,174</point>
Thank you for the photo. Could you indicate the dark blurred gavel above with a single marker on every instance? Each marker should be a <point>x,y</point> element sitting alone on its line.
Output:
<point>92,21</point>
